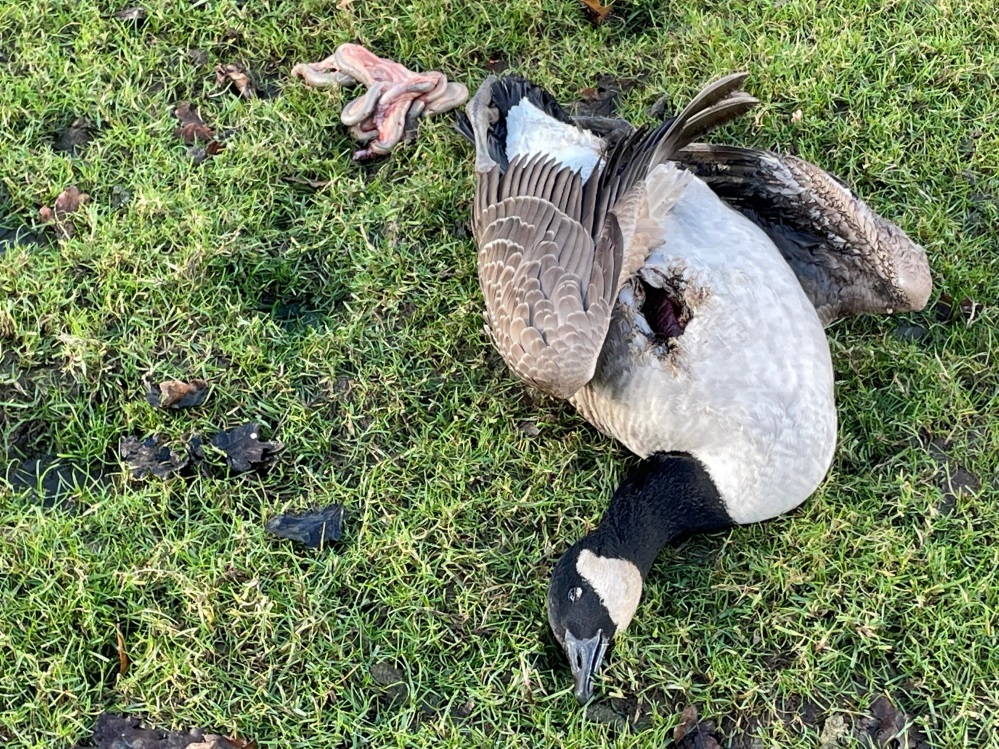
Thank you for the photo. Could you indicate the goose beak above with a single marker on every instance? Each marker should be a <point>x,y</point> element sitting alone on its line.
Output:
<point>585,657</point>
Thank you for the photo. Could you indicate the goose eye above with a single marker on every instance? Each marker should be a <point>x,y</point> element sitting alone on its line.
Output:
<point>575,594</point>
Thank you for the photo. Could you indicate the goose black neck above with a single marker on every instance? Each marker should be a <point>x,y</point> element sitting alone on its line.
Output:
<point>666,496</point>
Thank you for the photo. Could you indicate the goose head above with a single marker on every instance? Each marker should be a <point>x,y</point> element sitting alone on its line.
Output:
<point>591,599</point>
<point>596,585</point>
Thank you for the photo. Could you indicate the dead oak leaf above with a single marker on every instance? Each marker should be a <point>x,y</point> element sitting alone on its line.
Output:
<point>178,394</point>
<point>192,128</point>
<point>69,201</point>
<point>598,10</point>
<point>693,733</point>
<point>236,76</point>
<point>149,457</point>
<point>243,449</point>
<point>312,529</point>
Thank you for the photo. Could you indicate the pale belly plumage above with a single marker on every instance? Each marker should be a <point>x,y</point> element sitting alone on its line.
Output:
<point>747,388</point>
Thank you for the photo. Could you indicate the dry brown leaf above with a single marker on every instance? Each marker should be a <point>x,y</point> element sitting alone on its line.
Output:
<point>178,394</point>
<point>316,183</point>
<point>238,77</point>
<point>197,56</point>
<point>69,201</point>
<point>131,14</point>
<point>200,153</point>
<point>598,9</point>
<point>192,129</point>
<point>122,655</point>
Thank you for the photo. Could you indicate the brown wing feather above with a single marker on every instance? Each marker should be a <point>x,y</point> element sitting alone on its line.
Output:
<point>849,260</point>
<point>546,283</point>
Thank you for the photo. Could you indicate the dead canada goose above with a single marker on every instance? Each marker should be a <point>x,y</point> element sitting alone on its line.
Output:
<point>680,311</point>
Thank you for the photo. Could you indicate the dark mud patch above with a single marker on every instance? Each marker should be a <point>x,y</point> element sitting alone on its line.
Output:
<point>393,689</point>
<point>74,137</point>
<point>20,236</point>
<point>878,722</point>
<point>964,310</point>
<point>125,732</point>
<point>637,18</point>
<point>51,480</point>
<point>881,724</point>
<point>951,477</point>
<point>910,332</point>
<point>136,16</point>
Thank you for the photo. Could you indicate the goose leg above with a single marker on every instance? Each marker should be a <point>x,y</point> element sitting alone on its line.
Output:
<point>482,115</point>
<point>612,129</point>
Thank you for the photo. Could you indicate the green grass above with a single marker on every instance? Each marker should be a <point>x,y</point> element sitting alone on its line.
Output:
<point>391,401</point>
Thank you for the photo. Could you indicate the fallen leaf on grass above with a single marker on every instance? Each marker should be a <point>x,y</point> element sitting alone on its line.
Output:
<point>600,100</point>
<point>237,76</point>
<point>122,655</point>
<point>69,201</point>
<point>192,128</point>
<point>966,309</point>
<point>138,15</point>
<point>242,447</point>
<point>598,10</point>
<point>151,457</point>
<point>120,197</point>
<point>529,428</point>
<point>197,56</point>
<point>316,183</point>
<point>199,154</point>
<point>312,529</point>
<point>178,394</point>
<point>693,733</point>
<point>125,732</point>
<point>74,137</point>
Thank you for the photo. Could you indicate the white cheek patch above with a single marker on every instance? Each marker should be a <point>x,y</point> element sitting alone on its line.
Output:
<point>617,582</point>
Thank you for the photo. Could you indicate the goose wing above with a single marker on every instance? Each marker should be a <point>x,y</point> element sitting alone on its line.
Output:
<point>554,249</point>
<point>849,259</point>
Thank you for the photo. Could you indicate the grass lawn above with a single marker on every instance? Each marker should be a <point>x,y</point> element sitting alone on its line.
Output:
<point>346,319</point>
